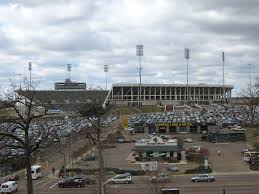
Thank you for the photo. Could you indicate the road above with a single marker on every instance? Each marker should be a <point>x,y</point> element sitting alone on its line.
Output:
<point>234,184</point>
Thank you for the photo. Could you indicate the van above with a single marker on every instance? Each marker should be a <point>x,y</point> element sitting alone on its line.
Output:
<point>9,187</point>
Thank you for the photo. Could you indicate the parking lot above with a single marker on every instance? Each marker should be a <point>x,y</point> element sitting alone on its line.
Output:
<point>230,159</point>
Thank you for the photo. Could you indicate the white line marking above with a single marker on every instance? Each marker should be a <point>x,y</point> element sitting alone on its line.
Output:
<point>39,182</point>
<point>45,183</point>
<point>53,185</point>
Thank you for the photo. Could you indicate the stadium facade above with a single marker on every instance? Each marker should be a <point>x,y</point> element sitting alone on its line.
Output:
<point>154,94</point>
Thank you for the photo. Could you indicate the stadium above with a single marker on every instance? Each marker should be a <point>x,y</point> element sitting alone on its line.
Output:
<point>168,94</point>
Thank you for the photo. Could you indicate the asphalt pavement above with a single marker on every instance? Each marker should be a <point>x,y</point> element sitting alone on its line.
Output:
<point>233,184</point>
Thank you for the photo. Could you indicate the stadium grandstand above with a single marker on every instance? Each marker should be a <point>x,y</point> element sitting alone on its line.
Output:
<point>67,101</point>
<point>154,94</point>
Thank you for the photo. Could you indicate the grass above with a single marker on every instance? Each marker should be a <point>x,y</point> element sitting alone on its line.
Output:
<point>125,110</point>
<point>252,137</point>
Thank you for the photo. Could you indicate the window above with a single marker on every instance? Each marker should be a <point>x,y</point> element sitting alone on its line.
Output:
<point>38,170</point>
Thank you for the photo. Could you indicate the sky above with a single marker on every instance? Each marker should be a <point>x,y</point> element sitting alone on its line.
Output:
<point>89,34</point>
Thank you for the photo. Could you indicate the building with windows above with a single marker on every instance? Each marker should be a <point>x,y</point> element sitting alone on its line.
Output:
<point>154,94</point>
<point>157,149</point>
<point>68,85</point>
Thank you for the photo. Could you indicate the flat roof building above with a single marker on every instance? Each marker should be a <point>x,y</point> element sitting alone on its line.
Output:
<point>69,85</point>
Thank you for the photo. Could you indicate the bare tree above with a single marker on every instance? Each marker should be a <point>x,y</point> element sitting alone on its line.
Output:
<point>250,101</point>
<point>96,113</point>
<point>26,127</point>
<point>157,181</point>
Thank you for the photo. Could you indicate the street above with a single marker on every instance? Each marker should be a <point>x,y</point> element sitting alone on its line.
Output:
<point>233,184</point>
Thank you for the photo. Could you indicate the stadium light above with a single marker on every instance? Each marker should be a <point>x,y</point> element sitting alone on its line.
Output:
<point>106,69</point>
<point>250,83</point>
<point>187,57</point>
<point>223,75</point>
<point>69,66</point>
<point>139,53</point>
<point>30,68</point>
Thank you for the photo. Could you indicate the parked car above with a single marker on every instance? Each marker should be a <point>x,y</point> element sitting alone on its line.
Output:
<point>203,178</point>
<point>188,140</point>
<point>122,178</point>
<point>129,140</point>
<point>197,148</point>
<point>85,178</point>
<point>71,182</point>
<point>9,187</point>
<point>14,177</point>
<point>160,178</point>
<point>89,157</point>
<point>173,167</point>
<point>120,140</point>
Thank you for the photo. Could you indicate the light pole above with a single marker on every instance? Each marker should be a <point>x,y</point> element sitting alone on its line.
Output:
<point>223,75</point>
<point>69,70</point>
<point>187,57</point>
<point>64,155</point>
<point>30,68</point>
<point>106,68</point>
<point>250,83</point>
<point>20,80</point>
<point>139,52</point>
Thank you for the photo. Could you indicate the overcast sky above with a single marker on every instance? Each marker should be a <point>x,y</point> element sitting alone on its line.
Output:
<point>91,33</point>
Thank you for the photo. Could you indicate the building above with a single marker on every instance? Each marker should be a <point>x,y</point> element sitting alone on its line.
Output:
<point>157,149</point>
<point>68,85</point>
<point>154,94</point>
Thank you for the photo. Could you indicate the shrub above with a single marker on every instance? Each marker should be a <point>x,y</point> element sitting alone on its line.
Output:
<point>199,170</point>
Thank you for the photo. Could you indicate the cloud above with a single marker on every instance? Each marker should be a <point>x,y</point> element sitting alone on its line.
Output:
<point>90,34</point>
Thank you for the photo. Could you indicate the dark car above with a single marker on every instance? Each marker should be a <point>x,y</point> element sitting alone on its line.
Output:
<point>90,157</point>
<point>85,178</point>
<point>71,182</point>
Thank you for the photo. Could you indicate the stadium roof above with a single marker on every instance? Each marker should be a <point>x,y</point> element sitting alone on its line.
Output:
<point>169,85</point>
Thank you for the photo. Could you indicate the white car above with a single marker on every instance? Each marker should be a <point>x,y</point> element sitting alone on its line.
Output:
<point>203,178</point>
<point>9,187</point>
<point>188,140</point>
<point>122,178</point>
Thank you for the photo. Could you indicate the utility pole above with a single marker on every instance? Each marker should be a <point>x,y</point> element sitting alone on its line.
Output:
<point>139,52</point>
<point>187,57</point>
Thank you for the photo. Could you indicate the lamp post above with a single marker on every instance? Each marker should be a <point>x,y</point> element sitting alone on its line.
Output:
<point>106,68</point>
<point>64,155</point>
<point>187,57</point>
<point>139,52</point>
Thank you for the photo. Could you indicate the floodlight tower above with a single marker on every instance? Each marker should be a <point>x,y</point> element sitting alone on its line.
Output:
<point>139,52</point>
<point>223,76</point>
<point>250,83</point>
<point>106,68</point>
<point>30,68</point>
<point>69,70</point>
<point>187,57</point>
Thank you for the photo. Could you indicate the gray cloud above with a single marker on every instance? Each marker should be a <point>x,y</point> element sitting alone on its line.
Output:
<point>90,34</point>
